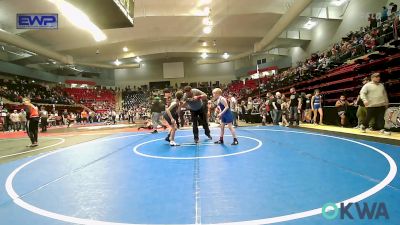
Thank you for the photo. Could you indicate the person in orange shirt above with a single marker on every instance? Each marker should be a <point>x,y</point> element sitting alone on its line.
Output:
<point>84,117</point>
<point>32,125</point>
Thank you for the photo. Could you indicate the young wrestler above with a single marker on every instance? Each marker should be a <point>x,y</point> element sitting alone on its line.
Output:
<point>171,116</point>
<point>316,104</point>
<point>225,115</point>
<point>147,125</point>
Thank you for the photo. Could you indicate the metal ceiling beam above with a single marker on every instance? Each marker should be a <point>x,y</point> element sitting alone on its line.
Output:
<point>293,12</point>
<point>42,51</point>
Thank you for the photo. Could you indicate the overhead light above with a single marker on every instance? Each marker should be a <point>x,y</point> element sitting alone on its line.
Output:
<point>225,55</point>
<point>310,24</point>
<point>138,59</point>
<point>125,49</point>
<point>204,55</point>
<point>79,19</point>
<point>117,62</point>
<point>207,11</point>
<point>204,44</point>
<point>338,2</point>
<point>207,21</point>
<point>207,29</point>
<point>205,2</point>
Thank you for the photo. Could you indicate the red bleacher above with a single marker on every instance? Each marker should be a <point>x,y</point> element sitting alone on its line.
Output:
<point>97,100</point>
<point>348,76</point>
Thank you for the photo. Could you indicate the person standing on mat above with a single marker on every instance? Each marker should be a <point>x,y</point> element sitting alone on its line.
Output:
<point>194,99</point>
<point>171,116</point>
<point>375,99</point>
<point>225,115</point>
<point>32,125</point>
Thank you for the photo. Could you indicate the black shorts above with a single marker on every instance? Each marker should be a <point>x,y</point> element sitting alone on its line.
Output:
<point>166,117</point>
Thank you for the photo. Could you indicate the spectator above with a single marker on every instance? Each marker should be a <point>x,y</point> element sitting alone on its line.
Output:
<point>277,108</point>
<point>22,119</point>
<point>64,116</point>
<point>249,108</point>
<point>394,8</point>
<point>243,109</point>
<point>234,108</point>
<point>294,107</point>
<point>43,118</point>
<point>84,117</point>
<point>361,110</point>
<point>374,97</point>
<point>384,14</point>
<point>7,122</point>
<point>131,116</point>
<point>285,111</point>
<point>14,117</point>
<point>113,116</point>
<point>307,108</point>
<point>373,23</point>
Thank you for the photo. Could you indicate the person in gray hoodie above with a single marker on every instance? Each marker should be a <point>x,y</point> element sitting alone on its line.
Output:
<point>375,99</point>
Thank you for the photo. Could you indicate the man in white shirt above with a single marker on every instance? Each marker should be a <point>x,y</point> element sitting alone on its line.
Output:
<point>14,117</point>
<point>375,99</point>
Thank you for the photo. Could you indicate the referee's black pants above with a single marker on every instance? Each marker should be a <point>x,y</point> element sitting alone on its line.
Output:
<point>199,116</point>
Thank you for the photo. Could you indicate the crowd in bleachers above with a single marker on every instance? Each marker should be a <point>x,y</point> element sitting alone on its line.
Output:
<point>355,44</point>
<point>96,99</point>
<point>16,89</point>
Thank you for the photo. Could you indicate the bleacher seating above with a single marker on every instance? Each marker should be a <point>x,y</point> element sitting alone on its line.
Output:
<point>95,99</point>
<point>39,92</point>
<point>134,98</point>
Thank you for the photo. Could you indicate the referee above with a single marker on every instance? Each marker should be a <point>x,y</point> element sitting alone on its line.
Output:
<point>194,98</point>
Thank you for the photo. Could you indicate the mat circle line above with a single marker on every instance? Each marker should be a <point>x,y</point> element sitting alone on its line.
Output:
<point>313,212</point>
